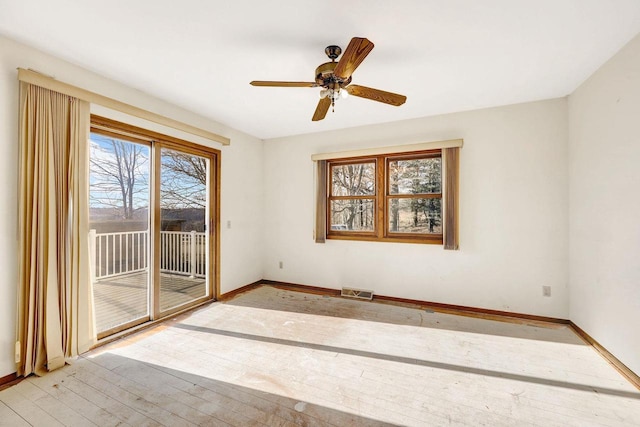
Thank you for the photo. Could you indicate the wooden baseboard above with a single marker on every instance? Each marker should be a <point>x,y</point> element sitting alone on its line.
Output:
<point>464,310</point>
<point>301,288</point>
<point>435,306</point>
<point>631,376</point>
<point>232,294</point>
<point>9,380</point>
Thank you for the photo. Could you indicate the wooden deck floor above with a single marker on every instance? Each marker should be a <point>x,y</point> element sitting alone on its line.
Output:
<point>121,299</point>
<point>281,358</point>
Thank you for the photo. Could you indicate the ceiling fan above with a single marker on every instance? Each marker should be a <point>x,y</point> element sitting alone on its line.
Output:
<point>335,77</point>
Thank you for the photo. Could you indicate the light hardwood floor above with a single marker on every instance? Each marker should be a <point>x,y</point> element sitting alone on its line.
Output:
<point>282,358</point>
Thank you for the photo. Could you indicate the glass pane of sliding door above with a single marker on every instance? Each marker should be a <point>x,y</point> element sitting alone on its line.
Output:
<point>183,238</point>
<point>119,201</point>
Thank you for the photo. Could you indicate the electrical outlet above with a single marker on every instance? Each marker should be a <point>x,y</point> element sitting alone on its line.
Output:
<point>228,224</point>
<point>546,291</point>
<point>281,265</point>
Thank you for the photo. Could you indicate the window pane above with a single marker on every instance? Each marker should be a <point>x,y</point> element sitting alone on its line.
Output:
<point>183,235</point>
<point>353,180</point>
<point>415,176</point>
<point>352,215</point>
<point>422,216</point>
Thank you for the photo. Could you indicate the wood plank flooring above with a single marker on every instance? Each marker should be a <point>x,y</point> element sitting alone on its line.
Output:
<point>272,357</point>
<point>122,299</point>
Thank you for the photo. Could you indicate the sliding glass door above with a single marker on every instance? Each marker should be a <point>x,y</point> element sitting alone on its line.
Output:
<point>153,206</point>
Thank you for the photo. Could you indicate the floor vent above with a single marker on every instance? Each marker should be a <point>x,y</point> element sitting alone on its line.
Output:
<point>357,293</point>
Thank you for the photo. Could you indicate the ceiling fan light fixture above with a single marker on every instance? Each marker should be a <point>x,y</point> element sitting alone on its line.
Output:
<point>333,94</point>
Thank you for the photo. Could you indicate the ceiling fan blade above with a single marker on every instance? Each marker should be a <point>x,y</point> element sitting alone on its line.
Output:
<point>283,84</point>
<point>376,95</point>
<point>353,56</point>
<point>321,109</point>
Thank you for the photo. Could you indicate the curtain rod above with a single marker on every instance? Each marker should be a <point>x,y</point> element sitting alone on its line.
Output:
<point>33,77</point>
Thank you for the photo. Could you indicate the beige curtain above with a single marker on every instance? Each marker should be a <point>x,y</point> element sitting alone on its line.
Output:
<point>321,201</point>
<point>451,177</point>
<point>55,315</point>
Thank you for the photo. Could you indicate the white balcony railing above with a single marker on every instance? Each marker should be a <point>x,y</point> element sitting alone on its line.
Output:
<point>115,254</point>
<point>183,253</point>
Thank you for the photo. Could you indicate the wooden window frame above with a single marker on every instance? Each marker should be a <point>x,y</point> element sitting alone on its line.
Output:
<point>381,199</point>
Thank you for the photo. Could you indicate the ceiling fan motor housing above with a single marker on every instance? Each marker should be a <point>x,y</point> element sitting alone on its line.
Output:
<point>326,78</point>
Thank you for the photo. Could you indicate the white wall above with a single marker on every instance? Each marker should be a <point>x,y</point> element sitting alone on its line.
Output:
<point>513,213</point>
<point>242,198</point>
<point>604,175</point>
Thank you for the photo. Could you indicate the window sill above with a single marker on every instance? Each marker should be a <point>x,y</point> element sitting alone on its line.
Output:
<point>431,240</point>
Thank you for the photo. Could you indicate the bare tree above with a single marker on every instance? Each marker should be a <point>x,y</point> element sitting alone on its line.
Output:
<point>119,172</point>
<point>184,180</point>
<point>423,176</point>
<point>120,177</point>
<point>415,176</point>
<point>353,180</point>
<point>396,171</point>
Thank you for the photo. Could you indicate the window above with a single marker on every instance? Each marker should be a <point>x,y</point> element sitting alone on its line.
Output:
<point>394,197</point>
<point>404,193</point>
<point>352,196</point>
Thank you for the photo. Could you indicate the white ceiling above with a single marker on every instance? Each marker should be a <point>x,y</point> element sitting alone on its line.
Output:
<point>444,55</point>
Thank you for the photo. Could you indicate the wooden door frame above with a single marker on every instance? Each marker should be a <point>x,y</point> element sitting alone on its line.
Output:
<point>155,141</point>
